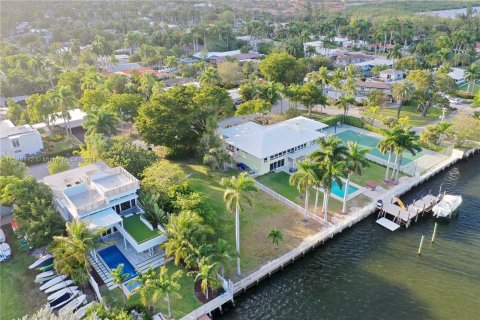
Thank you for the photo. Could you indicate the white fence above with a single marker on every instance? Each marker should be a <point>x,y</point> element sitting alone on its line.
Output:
<point>292,204</point>
<point>94,285</point>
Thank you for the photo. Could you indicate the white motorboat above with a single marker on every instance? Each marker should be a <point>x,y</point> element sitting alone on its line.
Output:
<point>61,292</point>
<point>80,313</point>
<point>59,286</point>
<point>74,304</point>
<point>44,275</point>
<point>5,252</point>
<point>52,282</point>
<point>447,206</point>
<point>62,300</point>
<point>2,236</point>
<point>40,262</point>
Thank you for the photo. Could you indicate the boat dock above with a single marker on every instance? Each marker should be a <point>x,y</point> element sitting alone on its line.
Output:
<point>405,215</point>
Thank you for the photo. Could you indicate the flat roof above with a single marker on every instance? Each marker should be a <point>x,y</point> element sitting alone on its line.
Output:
<point>263,141</point>
<point>8,129</point>
<point>103,219</point>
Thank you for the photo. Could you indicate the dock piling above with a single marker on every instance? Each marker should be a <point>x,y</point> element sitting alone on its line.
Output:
<point>434,232</point>
<point>420,246</point>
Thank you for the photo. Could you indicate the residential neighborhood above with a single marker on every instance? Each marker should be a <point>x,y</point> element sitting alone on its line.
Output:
<point>239,160</point>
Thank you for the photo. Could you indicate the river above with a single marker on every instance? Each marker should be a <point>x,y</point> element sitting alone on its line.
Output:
<point>450,13</point>
<point>369,272</point>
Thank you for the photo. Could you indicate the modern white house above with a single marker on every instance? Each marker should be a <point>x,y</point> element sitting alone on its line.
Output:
<point>390,75</point>
<point>458,75</point>
<point>107,198</point>
<point>19,141</point>
<point>75,120</point>
<point>261,149</point>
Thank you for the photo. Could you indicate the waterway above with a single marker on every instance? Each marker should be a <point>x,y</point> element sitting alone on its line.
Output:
<point>368,272</point>
<point>450,13</point>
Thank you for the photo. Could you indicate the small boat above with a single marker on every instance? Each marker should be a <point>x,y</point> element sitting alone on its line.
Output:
<point>52,282</point>
<point>2,236</point>
<point>74,304</point>
<point>41,262</point>
<point>45,276</point>
<point>80,313</point>
<point>59,286</point>
<point>62,300</point>
<point>446,206</point>
<point>61,292</point>
<point>45,268</point>
<point>5,252</point>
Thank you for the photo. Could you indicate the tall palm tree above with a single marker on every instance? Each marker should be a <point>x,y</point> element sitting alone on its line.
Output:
<point>407,140</point>
<point>304,178</point>
<point>119,278</point>
<point>402,91</point>
<point>238,190</point>
<point>388,144</point>
<point>65,98</point>
<point>185,232</point>
<point>101,121</point>
<point>166,284</point>
<point>71,251</point>
<point>471,76</point>
<point>210,76</point>
<point>207,274</point>
<point>145,289</point>
<point>321,76</point>
<point>395,53</point>
<point>343,103</point>
<point>356,160</point>
<point>222,255</point>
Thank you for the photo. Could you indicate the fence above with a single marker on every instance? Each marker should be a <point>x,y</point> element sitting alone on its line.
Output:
<point>210,306</point>
<point>94,285</point>
<point>292,204</point>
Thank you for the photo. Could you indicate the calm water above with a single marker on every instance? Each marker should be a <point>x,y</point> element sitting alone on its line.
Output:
<point>450,13</point>
<point>369,272</point>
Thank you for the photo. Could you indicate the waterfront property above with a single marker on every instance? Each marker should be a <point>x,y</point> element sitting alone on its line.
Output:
<point>19,141</point>
<point>261,149</point>
<point>107,198</point>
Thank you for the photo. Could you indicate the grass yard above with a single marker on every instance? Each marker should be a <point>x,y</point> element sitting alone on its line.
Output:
<point>464,87</point>
<point>138,230</point>
<point>19,295</point>
<point>180,307</point>
<point>255,222</point>
<point>65,144</point>
<point>409,110</point>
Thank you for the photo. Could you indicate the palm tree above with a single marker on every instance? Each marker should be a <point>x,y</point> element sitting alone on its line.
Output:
<point>311,51</point>
<point>402,91</point>
<point>237,190</point>
<point>321,76</point>
<point>210,76</point>
<point>344,102</point>
<point>71,252</point>
<point>395,53</point>
<point>101,121</point>
<point>356,160</point>
<point>65,98</point>
<point>145,289</point>
<point>166,284</point>
<point>406,140</point>
<point>222,255</point>
<point>119,278</point>
<point>185,232</point>
<point>304,178</point>
<point>276,236</point>
<point>208,275</point>
<point>471,76</point>
<point>388,145</point>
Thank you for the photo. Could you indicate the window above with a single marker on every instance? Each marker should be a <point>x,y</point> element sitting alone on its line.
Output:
<point>16,143</point>
<point>264,159</point>
<point>125,205</point>
<point>277,164</point>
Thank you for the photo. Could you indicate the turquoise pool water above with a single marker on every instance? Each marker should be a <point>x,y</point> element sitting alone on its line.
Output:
<point>371,142</point>
<point>113,257</point>
<point>336,190</point>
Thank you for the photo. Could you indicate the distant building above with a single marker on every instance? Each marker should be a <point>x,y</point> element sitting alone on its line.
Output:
<point>369,65</point>
<point>390,75</point>
<point>261,149</point>
<point>365,87</point>
<point>458,75</point>
<point>346,58</point>
<point>76,117</point>
<point>218,57</point>
<point>18,99</point>
<point>19,141</point>
<point>181,81</point>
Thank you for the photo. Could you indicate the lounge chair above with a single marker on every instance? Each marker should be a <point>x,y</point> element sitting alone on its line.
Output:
<point>371,185</point>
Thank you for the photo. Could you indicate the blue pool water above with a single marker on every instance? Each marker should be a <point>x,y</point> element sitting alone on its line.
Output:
<point>113,257</point>
<point>336,190</point>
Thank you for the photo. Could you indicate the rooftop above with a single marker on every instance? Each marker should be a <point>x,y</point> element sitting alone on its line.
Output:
<point>375,62</point>
<point>263,141</point>
<point>457,74</point>
<point>8,129</point>
<point>373,84</point>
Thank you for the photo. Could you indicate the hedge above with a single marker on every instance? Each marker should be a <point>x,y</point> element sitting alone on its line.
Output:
<point>465,95</point>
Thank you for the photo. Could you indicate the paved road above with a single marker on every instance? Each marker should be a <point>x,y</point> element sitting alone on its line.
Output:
<point>39,171</point>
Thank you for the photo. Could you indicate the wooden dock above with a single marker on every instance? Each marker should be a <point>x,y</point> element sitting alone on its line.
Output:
<point>404,216</point>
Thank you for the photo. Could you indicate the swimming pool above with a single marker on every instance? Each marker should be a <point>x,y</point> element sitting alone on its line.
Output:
<point>339,192</point>
<point>113,257</point>
<point>370,142</point>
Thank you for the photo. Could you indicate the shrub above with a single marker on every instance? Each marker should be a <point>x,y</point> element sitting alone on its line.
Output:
<point>244,49</point>
<point>465,95</point>
<point>55,137</point>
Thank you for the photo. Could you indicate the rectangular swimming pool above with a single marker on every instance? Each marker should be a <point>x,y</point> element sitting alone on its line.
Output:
<point>367,141</point>
<point>339,192</point>
<point>113,257</point>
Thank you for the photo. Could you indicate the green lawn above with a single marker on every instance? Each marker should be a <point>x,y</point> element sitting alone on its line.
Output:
<point>255,222</point>
<point>19,294</point>
<point>63,145</point>
<point>138,230</point>
<point>409,110</point>
<point>180,307</point>
<point>464,87</point>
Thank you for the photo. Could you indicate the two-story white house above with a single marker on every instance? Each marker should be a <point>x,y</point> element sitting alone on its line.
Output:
<point>275,147</point>
<point>105,197</point>
<point>19,141</point>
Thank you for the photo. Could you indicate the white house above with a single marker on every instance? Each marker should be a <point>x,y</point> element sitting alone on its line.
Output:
<point>76,117</point>
<point>458,75</point>
<point>368,65</point>
<point>104,197</point>
<point>19,141</point>
<point>275,147</point>
<point>390,75</point>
